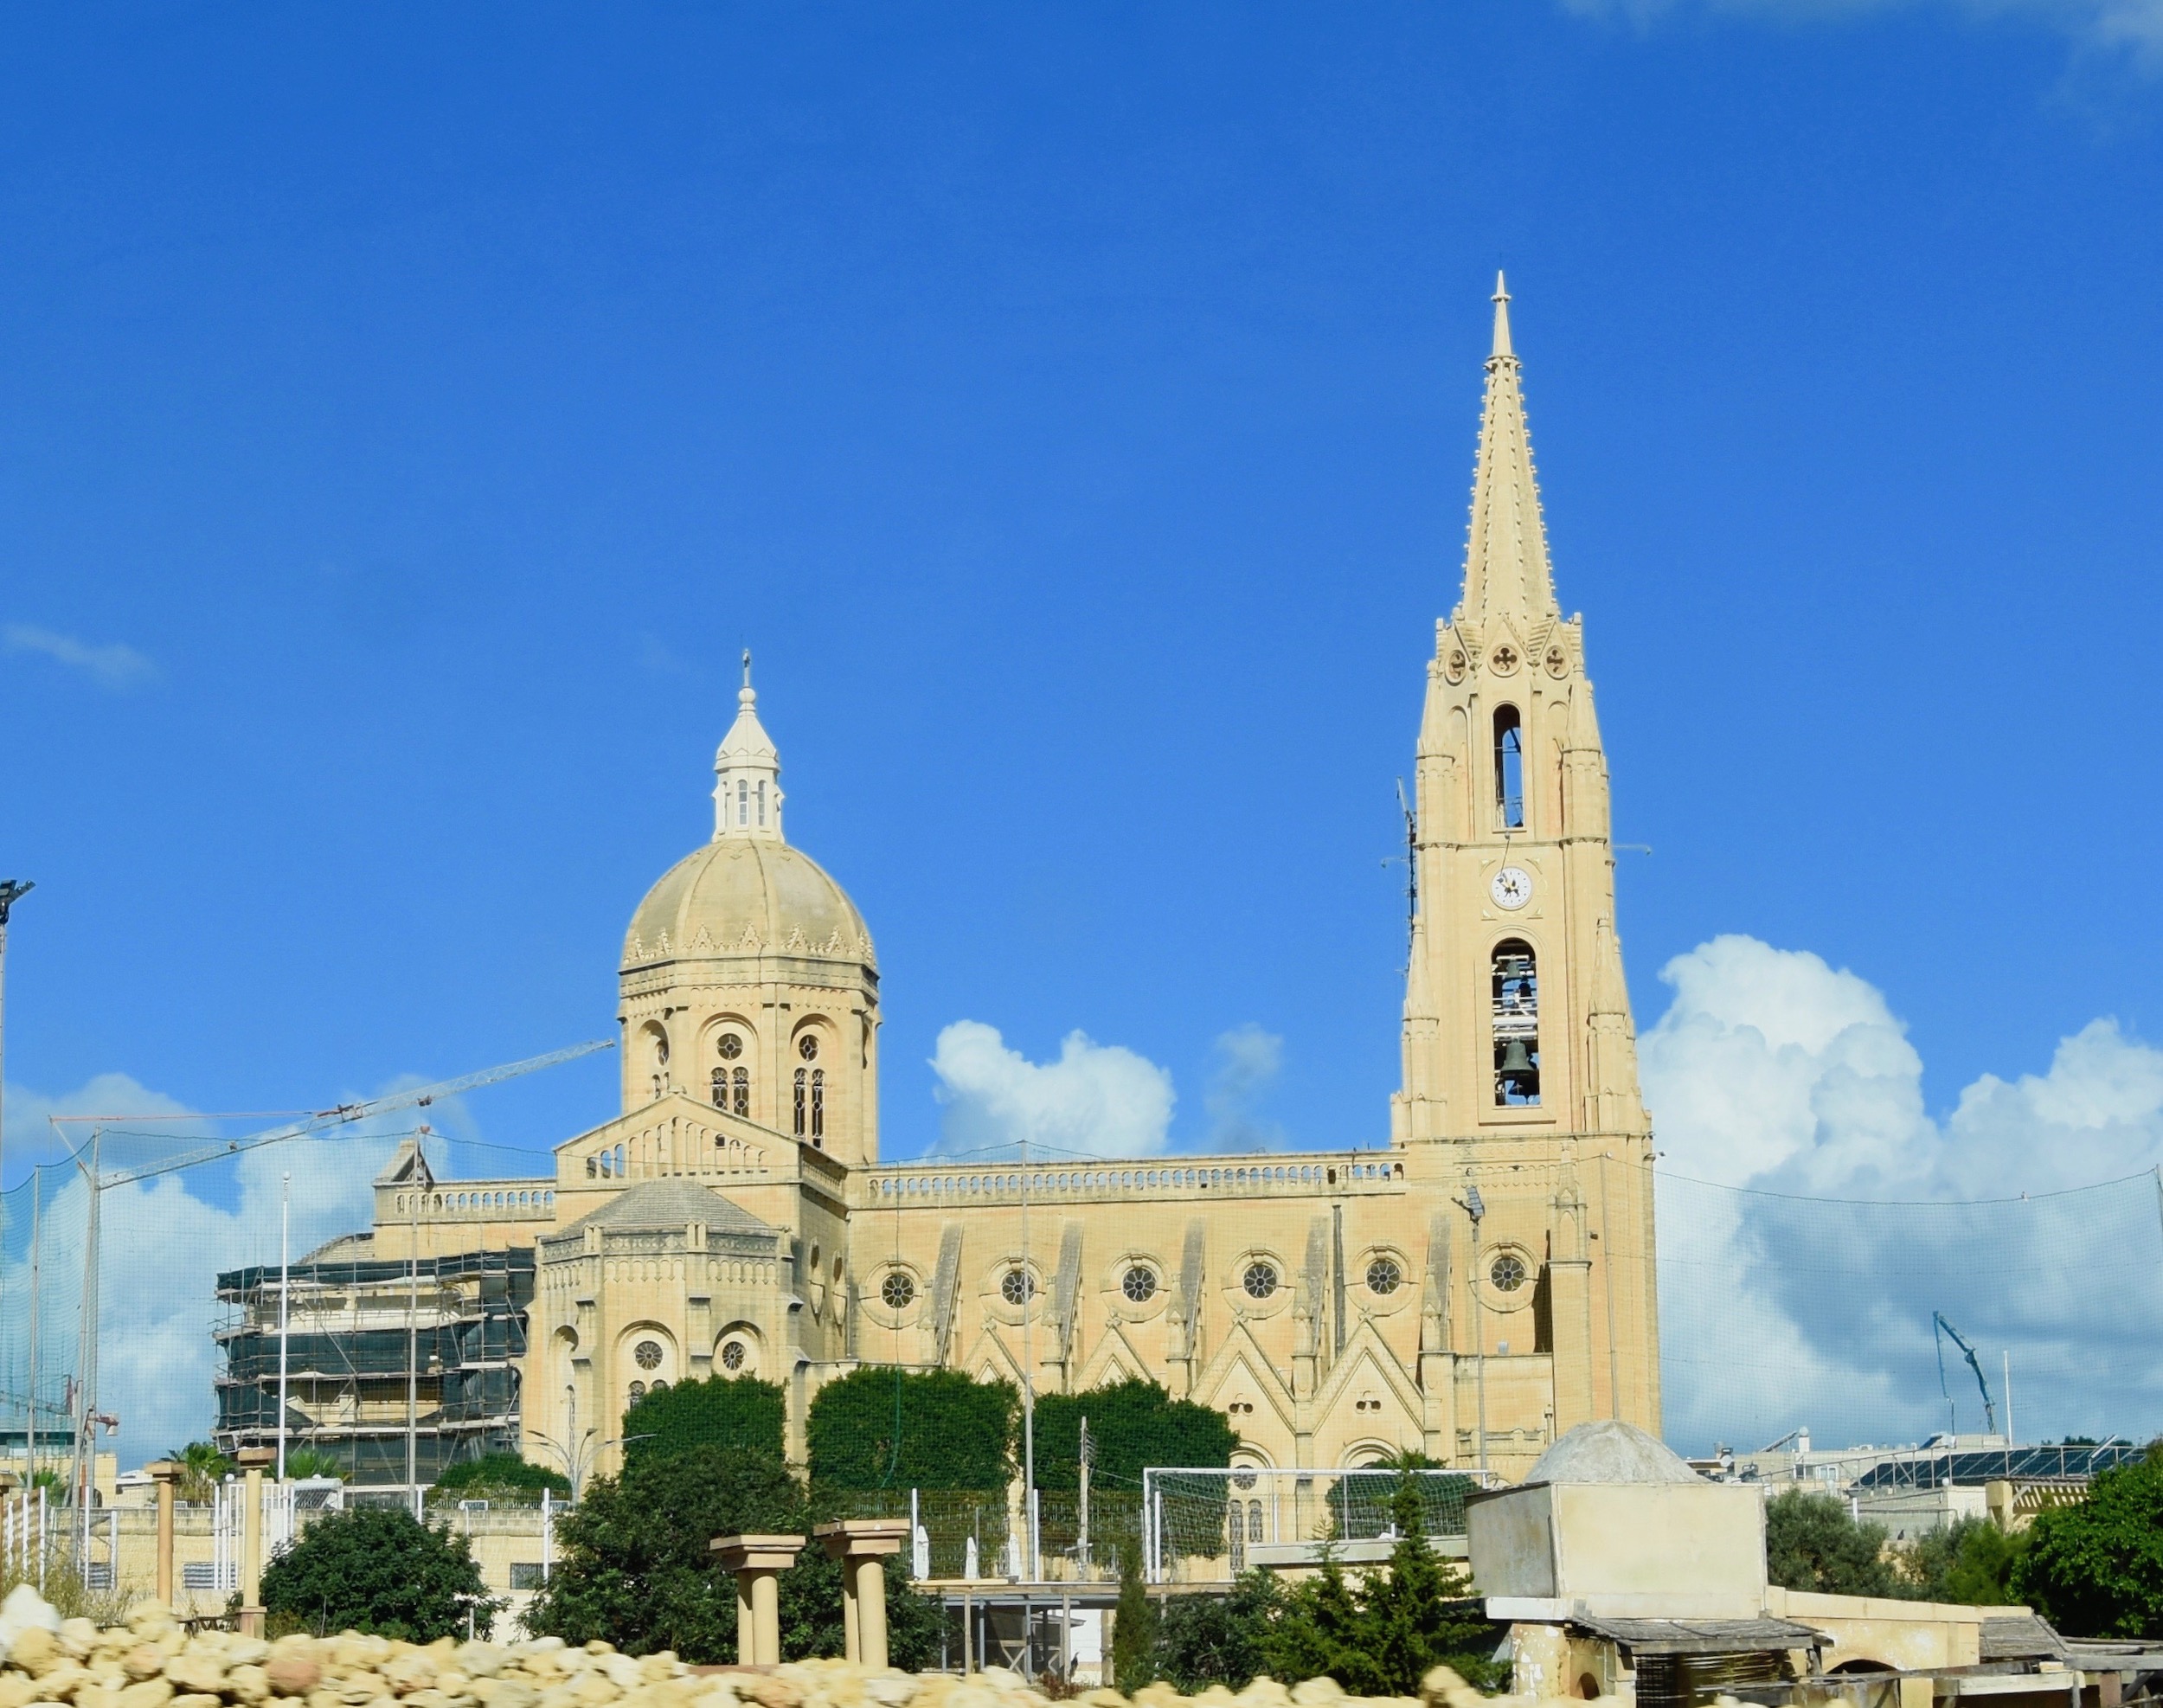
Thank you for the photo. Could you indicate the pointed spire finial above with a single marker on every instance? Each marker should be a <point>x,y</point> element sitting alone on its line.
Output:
<point>1506,570</point>
<point>744,695</point>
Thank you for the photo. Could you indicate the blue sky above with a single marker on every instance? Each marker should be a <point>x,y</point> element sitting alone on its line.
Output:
<point>406,417</point>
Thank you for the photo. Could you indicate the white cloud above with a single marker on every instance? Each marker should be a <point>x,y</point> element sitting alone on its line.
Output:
<point>2133,28</point>
<point>1791,1302</point>
<point>1248,1060</point>
<point>115,666</point>
<point>1098,1099</point>
<point>163,1241</point>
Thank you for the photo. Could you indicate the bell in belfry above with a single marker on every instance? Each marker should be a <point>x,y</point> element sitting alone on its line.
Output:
<point>1518,1074</point>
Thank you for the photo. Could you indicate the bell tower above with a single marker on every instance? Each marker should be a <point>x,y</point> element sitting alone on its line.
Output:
<point>1519,1057</point>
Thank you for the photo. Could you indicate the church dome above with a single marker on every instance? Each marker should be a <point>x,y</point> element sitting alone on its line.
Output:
<point>747,896</point>
<point>746,892</point>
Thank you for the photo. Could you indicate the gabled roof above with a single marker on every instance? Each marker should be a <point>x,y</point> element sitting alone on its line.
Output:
<point>656,1206</point>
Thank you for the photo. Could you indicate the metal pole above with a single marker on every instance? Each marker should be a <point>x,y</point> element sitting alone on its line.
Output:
<point>11,891</point>
<point>285,1286</point>
<point>37,1247</point>
<point>2012,1440</point>
<point>85,1469</point>
<point>1034,1567</point>
<point>413,1334</point>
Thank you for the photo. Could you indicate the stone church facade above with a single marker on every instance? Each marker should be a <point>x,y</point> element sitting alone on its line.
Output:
<point>1472,1288</point>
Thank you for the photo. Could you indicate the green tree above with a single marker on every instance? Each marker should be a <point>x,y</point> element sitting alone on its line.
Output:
<point>1134,1628</point>
<point>380,1570</point>
<point>1969,1563</point>
<point>1132,1424</point>
<point>1813,1541</point>
<point>309,1461</point>
<point>1382,1639</point>
<point>1218,1639</point>
<point>2094,1567</point>
<point>505,1477</point>
<point>720,1412</point>
<point>638,1571</point>
<point>884,1428</point>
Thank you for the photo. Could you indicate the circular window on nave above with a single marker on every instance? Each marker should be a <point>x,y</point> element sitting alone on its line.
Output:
<point>730,1046</point>
<point>1384,1277</point>
<point>1016,1287</point>
<point>1507,1272</point>
<point>648,1354</point>
<point>1139,1284</point>
<point>898,1290</point>
<point>733,1356</point>
<point>1259,1281</point>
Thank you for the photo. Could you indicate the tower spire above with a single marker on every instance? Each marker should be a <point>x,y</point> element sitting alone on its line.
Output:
<point>1507,574</point>
<point>747,773</point>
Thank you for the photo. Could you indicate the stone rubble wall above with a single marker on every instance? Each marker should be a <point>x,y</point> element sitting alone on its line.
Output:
<point>153,1662</point>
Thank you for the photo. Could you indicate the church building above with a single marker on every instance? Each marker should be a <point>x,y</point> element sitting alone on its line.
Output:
<point>1470,1281</point>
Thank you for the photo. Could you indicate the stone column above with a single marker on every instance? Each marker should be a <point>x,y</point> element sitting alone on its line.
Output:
<point>756,1561</point>
<point>252,1460</point>
<point>860,1544</point>
<point>166,1474</point>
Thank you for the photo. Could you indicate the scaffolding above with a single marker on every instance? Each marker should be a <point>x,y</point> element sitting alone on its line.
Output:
<point>393,1369</point>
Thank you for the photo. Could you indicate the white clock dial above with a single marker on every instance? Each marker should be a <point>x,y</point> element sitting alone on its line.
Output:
<point>1512,887</point>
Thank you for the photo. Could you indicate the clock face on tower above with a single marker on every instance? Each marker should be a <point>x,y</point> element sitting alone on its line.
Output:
<point>1512,887</point>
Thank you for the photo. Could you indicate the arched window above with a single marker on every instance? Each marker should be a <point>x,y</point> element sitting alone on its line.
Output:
<point>721,1088</point>
<point>801,1110</point>
<point>763,803</point>
<point>742,1086</point>
<point>1516,1024</point>
<point>818,1107</point>
<point>1508,768</point>
<point>743,801</point>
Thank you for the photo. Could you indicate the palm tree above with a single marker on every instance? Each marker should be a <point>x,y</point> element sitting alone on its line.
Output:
<point>202,1467</point>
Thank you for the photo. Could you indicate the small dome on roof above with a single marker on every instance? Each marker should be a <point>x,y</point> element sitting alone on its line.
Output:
<point>1611,1451</point>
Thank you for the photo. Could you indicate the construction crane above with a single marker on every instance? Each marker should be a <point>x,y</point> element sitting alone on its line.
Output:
<point>341,1114</point>
<point>1940,1330</point>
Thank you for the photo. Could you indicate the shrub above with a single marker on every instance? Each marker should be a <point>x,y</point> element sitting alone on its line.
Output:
<point>738,1412</point>
<point>1134,1628</point>
<point>1133,1424</point>
<point>637,1569</point>
<point>1969,1563</point>
<point>1382,1639</point>
<point>885,1428</point>
<point>1813,1541</point>
<point>2094,1568</point>
<point>500,1476</point>
<point>379,1570</point>
<point>1218,1639</point>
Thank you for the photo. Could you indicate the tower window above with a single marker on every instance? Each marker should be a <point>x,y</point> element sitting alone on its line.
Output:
<point>818,1107</point>
<point>1508,768</point>
<point>742,1087</point>
<point>730,1047</point>
<point>801,1110</point>
<point>761,792</point>
<point>1516,1025</point>
<point>743,801</point>
<point>720,1089</point>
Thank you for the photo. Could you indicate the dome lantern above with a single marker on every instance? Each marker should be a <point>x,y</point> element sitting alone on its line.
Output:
<point>748,773</point>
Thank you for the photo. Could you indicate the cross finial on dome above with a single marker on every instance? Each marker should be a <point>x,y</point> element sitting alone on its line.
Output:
<point>747,773</point>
